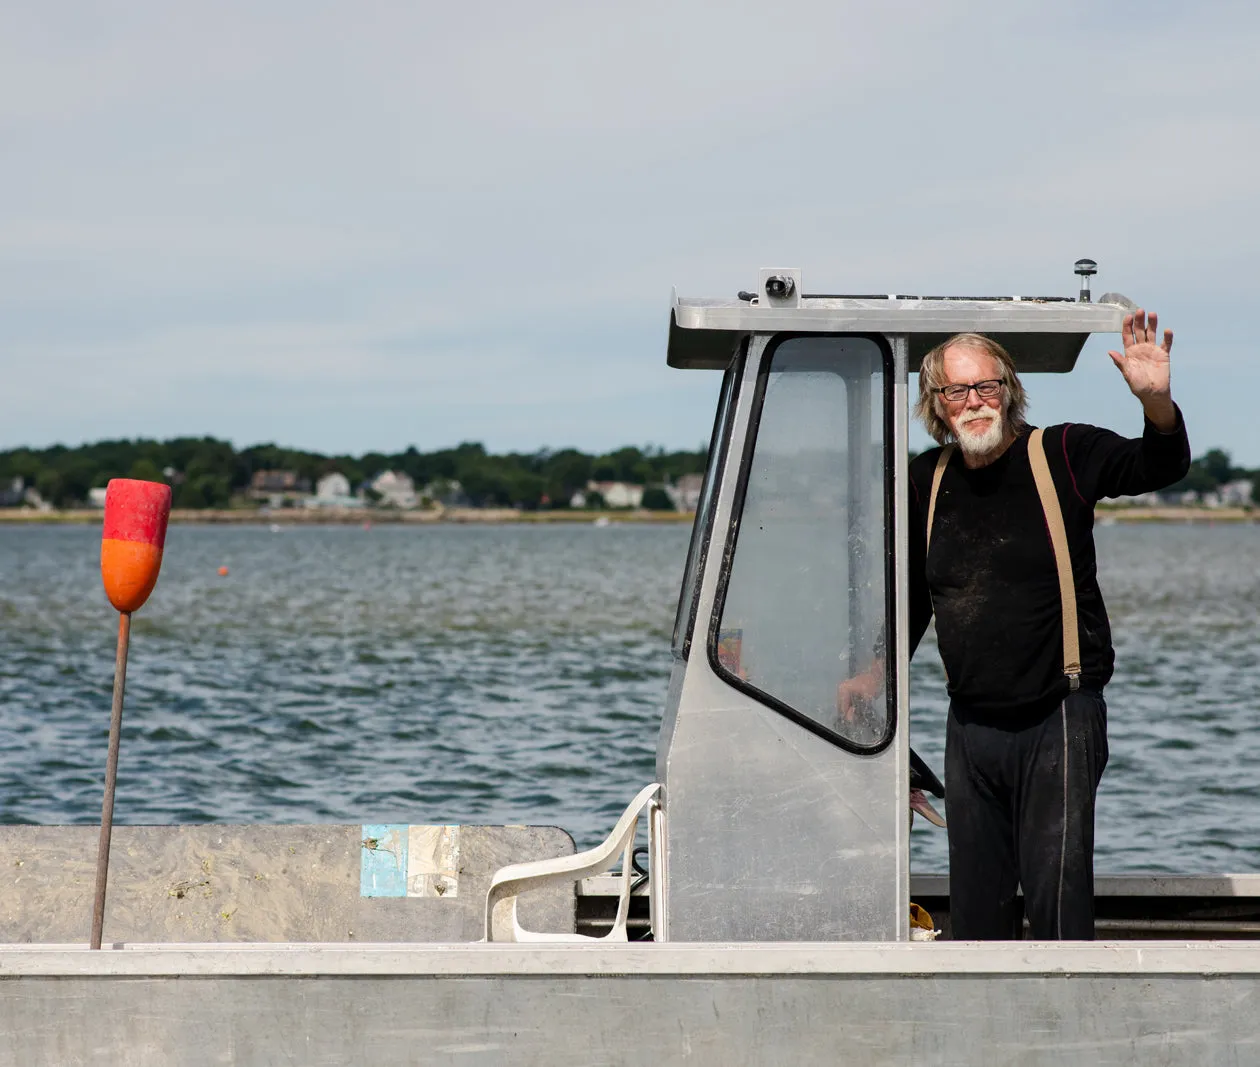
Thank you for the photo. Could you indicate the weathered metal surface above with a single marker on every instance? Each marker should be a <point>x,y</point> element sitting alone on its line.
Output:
<point>531,1005</point>
<point>1001,959</point>
<point>774,833</point>
<point>1040,336</point>
<point>433,861</point>
<point>898,606</point>
<point>399,860</point>
<point>267,883</point>
<point>383,860</point>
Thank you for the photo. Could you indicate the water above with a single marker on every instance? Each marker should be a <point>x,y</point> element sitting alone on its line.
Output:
<point>516,674</point>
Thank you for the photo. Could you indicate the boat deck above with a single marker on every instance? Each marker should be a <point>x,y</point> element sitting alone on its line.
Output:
<point>1130,906</point>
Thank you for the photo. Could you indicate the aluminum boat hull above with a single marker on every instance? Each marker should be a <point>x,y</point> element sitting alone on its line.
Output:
<point>801,1003</point>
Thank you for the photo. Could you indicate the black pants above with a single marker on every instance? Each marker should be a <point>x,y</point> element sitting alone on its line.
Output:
<point>1020,803</point>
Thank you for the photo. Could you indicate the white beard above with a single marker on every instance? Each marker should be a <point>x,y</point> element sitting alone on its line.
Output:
<point>981,444</point>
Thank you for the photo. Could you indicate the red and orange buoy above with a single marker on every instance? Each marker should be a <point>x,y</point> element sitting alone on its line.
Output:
<point>132,541</point>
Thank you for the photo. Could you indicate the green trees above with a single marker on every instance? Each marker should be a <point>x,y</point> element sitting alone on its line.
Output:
<point>206,472</point>
<point>656,499</point>
<point>500,481</point>
<point>145,470</point>
<point>1214,469</point>
<point>209,473</point>
<point>566,472</point>
<point>1219,467</point>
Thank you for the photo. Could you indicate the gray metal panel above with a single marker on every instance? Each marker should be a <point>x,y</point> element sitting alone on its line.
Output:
<point>254,883</point>
<point>1004,959</point>
<point>545,1005</point>
<point>1039,336</point>
<point>673,697</point>
<point>691,349</point>
<point>900,594</point>
<point>773,832</point>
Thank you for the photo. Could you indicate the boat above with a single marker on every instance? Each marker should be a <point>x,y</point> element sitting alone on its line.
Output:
<point>777,889</point>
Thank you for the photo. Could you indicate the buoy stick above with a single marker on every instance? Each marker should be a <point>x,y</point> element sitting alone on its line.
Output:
<point>111,776</point>
<point>132,540</point>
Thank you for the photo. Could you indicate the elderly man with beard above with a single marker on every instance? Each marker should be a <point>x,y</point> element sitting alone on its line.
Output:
<point>1024,749</point>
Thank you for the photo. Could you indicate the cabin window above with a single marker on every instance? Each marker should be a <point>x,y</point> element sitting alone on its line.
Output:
<point>801,606</point>
<point>685,620</point>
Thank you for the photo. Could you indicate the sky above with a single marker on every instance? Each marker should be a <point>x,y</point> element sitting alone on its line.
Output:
<point>353,227</point>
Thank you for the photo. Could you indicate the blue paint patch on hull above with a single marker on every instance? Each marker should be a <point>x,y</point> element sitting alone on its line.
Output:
<point>383,863</point>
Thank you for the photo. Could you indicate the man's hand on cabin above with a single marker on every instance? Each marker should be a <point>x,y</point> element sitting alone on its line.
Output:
<point>1146,366</point>
<point>858,690</point>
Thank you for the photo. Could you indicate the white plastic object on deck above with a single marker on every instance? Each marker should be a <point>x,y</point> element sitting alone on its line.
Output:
<point>509,882</point>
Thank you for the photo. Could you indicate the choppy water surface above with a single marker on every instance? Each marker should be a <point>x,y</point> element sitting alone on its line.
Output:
<point>517,673</point>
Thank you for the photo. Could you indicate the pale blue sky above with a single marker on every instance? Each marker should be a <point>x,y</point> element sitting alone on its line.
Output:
<point>361,226</point>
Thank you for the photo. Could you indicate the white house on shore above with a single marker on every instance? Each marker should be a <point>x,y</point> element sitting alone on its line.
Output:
<point>685,493</point>
<point>1237,493</point>
<point>615,495</point>
<point>333,491</point>
<point>1139,500</point>
<point>396,490</point>
<point>331,486</point>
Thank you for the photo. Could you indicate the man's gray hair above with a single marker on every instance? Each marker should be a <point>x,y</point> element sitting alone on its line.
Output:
<point>932,377</point>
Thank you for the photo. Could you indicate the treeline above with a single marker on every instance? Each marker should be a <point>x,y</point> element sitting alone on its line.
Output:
<point>1210,473</point>
<point>1214,470</point>
<point>208,473</point>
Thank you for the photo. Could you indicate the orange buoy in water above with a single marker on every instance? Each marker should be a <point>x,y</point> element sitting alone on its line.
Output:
<point>132,540</point>
<point>223,572</point>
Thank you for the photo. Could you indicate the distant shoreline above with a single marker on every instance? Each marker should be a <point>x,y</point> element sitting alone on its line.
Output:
<point>496,516</point>
<point>352,517</point>
<point>1106,514</point>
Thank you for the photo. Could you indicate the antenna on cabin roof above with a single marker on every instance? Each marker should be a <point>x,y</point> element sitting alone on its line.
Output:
<point>1085,268</point>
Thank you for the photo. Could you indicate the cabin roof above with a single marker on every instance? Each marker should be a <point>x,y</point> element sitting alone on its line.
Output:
<point>1041,333</point>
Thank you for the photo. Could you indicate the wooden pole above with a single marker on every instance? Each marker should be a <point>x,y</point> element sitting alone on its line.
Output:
<point>111,776</point>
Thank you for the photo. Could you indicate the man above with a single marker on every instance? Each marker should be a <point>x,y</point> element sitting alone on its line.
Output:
<point>1024,751</point>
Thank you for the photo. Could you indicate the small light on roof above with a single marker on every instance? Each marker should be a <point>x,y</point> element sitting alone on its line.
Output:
<point>779,286</point>
<point>1085,268</point>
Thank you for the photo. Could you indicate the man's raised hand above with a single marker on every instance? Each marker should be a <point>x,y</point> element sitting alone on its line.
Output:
<point>1146,365</point>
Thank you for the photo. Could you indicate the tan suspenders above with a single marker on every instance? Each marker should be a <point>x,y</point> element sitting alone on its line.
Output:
<point>1062,560</point>
<point>1058,541</point>
<point>937,475</point>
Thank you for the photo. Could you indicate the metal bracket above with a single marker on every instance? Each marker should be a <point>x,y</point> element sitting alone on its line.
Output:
<point>779,288</point>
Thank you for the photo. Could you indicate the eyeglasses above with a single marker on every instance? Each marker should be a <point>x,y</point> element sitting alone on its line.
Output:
<point>985,390</point>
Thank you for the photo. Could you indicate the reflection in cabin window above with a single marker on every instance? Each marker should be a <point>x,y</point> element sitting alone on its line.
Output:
<point>804,603</point>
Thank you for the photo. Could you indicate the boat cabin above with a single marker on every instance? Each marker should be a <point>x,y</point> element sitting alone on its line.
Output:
<point>782,820</point>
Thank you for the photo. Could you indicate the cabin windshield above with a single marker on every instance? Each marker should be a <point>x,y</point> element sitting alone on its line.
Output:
<point>684,621</point>
<point>802,604</point>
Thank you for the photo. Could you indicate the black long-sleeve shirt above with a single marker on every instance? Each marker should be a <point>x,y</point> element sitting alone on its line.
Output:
<point>990,576</point>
